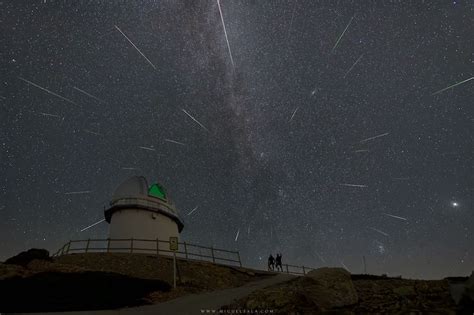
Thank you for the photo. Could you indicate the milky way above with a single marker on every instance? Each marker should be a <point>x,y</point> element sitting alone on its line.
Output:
<point>329,132</point>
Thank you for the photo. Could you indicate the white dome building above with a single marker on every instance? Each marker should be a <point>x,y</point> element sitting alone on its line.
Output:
<point>144,212</point>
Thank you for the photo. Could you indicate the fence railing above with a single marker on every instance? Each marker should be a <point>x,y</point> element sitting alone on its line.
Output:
<point>156,247</point>
<point>296,270</point>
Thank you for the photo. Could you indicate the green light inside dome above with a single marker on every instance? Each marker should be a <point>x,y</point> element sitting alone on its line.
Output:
<point>157,191</point>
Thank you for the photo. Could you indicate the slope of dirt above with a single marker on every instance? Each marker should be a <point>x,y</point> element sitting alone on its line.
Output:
<point>84,290</point>
<point>101,281</point>
<point>373,295</point>
<point>190,273</point>
<point>403,296</point>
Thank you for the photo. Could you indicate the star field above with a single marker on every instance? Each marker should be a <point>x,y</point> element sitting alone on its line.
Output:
<point>320,130</point>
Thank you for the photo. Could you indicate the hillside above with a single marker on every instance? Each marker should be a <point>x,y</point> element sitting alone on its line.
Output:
<point>105,281</point>
<point>94,281</point>
<point>335,290</point>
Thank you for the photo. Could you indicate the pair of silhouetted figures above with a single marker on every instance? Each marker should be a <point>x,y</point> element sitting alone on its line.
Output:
<point>275,262</point>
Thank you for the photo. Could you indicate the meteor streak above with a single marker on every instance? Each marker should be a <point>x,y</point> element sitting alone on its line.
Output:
<point>173,141</point>
<point>195,208</point>
<point>225,33</point>
<point>396,217</point>
<point>129,168</point>
<point>86,228</point>
<point>291,21</point>
<point>78,192</point>
<point>339,39</point>
<point>451,86</point>
<point>50,115</point>
<point>147,148</point>
<point>381,232</point>
<point>293,114</point>
<point>357,61</point>
<point>237,236</point>
<point>321,257</point>
<point>375,137</point>
<point>354,185</point>
<point>93,132</point>
<point>195,120</point>
<point>90,95</point>
<point>360,151</point>
<point>47,91</point>
<point>134,46</point>
<point>345,267</point>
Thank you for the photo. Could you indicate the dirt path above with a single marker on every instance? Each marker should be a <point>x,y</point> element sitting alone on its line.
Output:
<point>193,304</point>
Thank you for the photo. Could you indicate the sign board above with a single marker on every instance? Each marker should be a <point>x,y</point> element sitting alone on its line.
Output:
<point>173,243</point>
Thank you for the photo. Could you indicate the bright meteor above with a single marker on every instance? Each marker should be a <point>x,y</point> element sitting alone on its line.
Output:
<point>195,208</point>
<point>375,137</point>
<point>395,216</point>
<point>134,46</point>
<point>342,34</point>
<point>46,90</point>
<point>88,94</point>
<point>202,126</point>
<point>354,185</point>
<point>78,192</point>
<point>294,113</point>
<point>94,224</point>
<point>174,141</point>
<point>379,231</point>
<point>355,63</point>
<point>225,33</point>
<point>451,86</point>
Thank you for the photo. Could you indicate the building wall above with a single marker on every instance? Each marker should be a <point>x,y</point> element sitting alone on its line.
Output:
<point>140,224</point>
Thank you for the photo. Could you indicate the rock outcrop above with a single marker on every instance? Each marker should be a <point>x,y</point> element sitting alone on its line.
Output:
<point>321,290</point>
<point>24,258</point>
<point>332,288</point>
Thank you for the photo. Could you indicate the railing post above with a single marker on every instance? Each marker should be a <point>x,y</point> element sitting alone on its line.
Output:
<point>240,262</point>
<point>287,268</point>
<point>87,245</point>
<point>185,250</point>
<point>131,245</point>
<point>212,253</point>
<point>68,246</point>
<point>304,272</point>
<point>108,245</point>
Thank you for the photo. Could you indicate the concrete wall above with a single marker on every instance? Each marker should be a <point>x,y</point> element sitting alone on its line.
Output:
<point>140,224</point>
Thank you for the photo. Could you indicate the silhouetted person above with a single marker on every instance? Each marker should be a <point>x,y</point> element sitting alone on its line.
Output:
<point>271,262</point>
<point>278,262</point>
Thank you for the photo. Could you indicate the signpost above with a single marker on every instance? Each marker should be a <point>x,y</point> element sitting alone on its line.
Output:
<point>174,248</point>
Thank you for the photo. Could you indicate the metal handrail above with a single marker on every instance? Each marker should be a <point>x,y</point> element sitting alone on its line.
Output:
<point>66,249</point>
<point>186,254</point>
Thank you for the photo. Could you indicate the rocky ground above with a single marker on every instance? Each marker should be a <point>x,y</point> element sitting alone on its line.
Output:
<point>36,282</point>
<point>334,290</point>
<point>33,281</point>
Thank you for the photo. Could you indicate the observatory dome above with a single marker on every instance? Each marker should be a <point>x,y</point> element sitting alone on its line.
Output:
<point>134,193</point>
<point>136,186</point>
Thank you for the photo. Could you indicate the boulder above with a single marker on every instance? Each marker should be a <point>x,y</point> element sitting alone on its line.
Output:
<point>24,258</point>
<point>330,288</point>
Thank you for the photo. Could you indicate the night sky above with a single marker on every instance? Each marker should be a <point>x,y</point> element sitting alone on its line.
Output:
<point>319,134</point>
